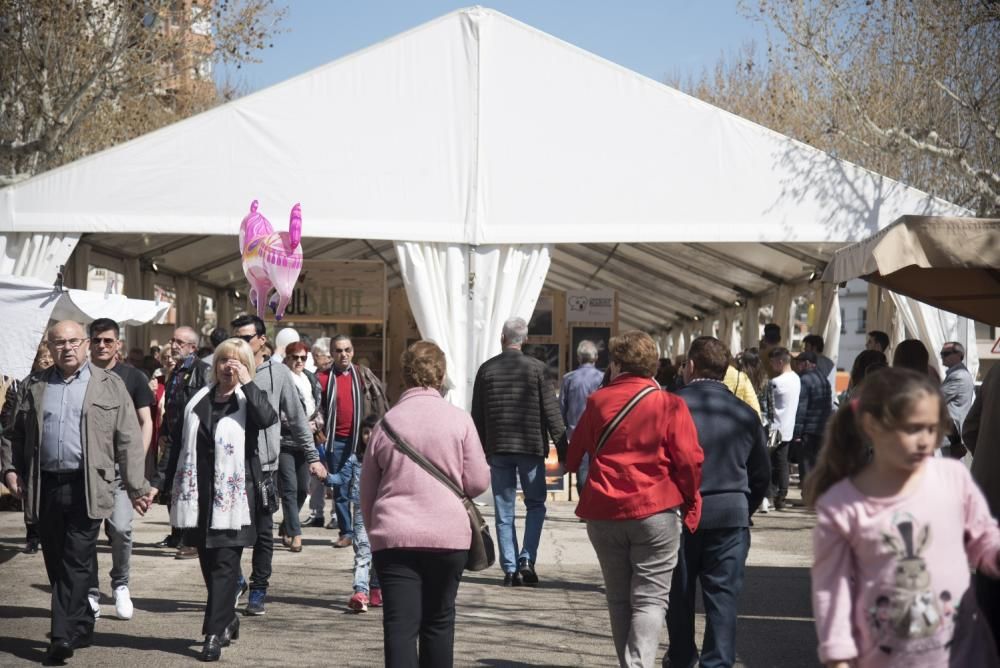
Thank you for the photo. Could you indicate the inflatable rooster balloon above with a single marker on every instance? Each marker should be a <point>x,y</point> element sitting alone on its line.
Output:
<point>271,260</point>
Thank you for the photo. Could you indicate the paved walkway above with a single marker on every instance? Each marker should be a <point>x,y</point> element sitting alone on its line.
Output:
<point>563,622</point>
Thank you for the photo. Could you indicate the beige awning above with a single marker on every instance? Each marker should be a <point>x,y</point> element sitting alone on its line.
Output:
<point>950,263</point>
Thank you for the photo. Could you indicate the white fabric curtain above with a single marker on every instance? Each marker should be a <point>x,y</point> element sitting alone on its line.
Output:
<point>461,295</point>
<point>28,302</point>
<point>35,255</point>
<point>933,327</point>
<point>882,315</point>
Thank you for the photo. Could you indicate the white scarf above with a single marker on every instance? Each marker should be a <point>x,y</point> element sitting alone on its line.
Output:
<point>230,510</point>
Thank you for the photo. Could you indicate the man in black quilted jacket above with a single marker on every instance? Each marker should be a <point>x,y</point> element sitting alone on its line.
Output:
<point>516,413</point>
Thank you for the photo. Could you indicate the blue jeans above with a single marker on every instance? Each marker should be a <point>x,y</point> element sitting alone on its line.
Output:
<point>504,473</point>
<point>338,455</point>
<point>364,575</point>
<point>716,558</point>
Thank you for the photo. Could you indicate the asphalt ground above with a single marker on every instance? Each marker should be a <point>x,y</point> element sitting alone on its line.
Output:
<point>562,622</point>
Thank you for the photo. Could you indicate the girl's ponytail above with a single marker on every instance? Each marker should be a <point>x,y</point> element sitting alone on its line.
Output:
<point>843,454</point>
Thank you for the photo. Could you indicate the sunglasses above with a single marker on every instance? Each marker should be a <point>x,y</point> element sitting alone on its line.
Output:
<point>300,358</point>
<point>246,337</point>
<point>102,341</point>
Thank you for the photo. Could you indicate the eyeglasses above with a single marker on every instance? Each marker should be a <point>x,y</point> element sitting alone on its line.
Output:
<point>182,343</point>
<point>945,353</point>
<point>300,358</point>
<point>343,351</point>
<point>246,337</point>
<point>102,341</point>
<point>62,344</point>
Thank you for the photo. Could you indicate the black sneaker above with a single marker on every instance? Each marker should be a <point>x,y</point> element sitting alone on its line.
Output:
<point>511,580</point>
<point>31,547</point>
<point>256,605</point>
<point>313,521</point>
<point>526,570</point>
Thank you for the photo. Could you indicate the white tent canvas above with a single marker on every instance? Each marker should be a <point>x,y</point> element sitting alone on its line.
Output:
<point>473,128</point>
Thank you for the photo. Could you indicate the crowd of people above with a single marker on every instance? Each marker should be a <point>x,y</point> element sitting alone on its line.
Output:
<point>672,460</point>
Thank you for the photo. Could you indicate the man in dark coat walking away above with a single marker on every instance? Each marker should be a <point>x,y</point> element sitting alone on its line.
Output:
<point>516,412</point>
<point>735,477</point>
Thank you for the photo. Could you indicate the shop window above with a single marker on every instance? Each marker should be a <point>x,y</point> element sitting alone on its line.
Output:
<point>165,293</point>
<point>102,279</point>
<point>207,315</point>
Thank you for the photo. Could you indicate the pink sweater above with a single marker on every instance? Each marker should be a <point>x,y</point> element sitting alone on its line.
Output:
<point>403,506</point>
<point>888,572</point>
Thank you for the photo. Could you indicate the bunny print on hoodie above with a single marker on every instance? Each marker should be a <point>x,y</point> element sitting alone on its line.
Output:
<point>900,566</point>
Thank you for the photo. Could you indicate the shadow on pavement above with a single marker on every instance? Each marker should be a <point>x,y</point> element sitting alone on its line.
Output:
<point>187,647</point>
<point>23,648</point>
<point>17,612</point>
<point>166,605</point>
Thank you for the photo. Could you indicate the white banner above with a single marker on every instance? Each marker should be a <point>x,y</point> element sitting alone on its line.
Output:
<point>590,305</point>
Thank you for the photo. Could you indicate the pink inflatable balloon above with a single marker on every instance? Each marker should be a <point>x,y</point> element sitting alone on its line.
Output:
<point>271,260</point>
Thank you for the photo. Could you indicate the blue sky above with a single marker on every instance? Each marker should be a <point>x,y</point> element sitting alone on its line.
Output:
<point>657,38</point>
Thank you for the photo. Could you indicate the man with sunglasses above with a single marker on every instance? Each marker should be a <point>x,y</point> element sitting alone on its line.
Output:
<point>275,379</point>
<point>71,426</point>
<point>190,374</point>
<point>958,390</point>
<point>105,346</point>
<point>353,392</point>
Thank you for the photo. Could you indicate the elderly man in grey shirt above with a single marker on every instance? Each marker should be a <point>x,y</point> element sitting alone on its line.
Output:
<point>73,424</point>
<point>958,390</point>
<point>577,385</point>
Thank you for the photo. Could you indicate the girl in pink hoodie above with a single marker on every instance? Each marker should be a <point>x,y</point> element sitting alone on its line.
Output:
<point>895,529</point>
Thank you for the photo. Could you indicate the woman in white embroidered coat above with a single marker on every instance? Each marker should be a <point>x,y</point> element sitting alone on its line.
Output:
<point>215,490</point>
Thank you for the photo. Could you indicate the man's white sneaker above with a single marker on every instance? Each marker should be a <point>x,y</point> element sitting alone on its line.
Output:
<point>95,605</point>
<point>765,507</point>
<point>123,603</point>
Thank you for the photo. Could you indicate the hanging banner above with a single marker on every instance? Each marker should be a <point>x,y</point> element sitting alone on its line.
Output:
<point>590,305</point>
<point>340,291</point>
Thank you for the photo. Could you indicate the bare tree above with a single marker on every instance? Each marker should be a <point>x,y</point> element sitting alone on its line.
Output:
<point>77,76</point>
<point>908,88</point>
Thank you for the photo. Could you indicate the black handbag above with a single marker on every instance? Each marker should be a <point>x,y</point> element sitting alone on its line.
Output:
<point>482,554</point>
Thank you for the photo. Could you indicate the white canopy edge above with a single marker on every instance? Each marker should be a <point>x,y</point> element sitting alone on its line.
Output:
<point>85,306</point>
<point>919,241</point>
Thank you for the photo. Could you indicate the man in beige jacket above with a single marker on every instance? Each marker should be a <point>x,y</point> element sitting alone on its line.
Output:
<point>73,424</point>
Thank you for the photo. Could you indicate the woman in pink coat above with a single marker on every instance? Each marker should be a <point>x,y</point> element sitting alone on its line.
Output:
<point>419,530</point>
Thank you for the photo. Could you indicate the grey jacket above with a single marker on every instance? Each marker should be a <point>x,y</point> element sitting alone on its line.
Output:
<point>276,380</point>
<point>110,433</point>
<point>958,390</point>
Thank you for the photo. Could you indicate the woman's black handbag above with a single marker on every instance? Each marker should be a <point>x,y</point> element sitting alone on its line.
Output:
<point>482,554</point>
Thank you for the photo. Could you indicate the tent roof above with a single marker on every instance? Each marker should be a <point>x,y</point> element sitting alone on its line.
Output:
<point>472,128</point>
<point>949,263</point>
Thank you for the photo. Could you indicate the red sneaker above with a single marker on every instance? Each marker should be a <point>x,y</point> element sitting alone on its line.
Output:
<point>358,602</point>
<point>376,597</point>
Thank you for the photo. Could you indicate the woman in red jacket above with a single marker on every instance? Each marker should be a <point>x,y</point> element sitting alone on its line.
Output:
<point>645,472</point>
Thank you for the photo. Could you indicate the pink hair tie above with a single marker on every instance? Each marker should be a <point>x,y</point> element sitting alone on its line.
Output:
<point>854,405</point>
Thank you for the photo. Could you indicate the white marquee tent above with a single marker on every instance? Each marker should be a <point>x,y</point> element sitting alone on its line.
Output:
<point>477,146</point>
